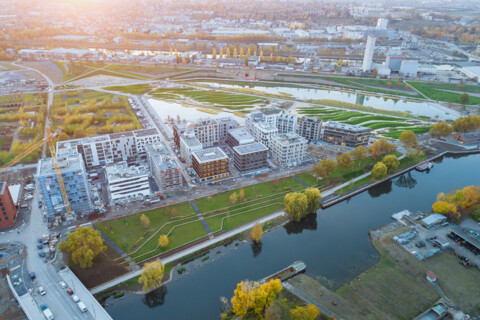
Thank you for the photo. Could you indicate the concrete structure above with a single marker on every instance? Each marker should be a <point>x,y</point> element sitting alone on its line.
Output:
<point>287,123</point>
<point>382,23</point>
<point>74,177</point>
<point>250,157</point>
<point>111,148</point>
<point>269,116</point>
<point>432,220</point>
<point>368,56</point>
<point>210,164</point>
<point>263,132</point>
<point>310,128</point>
<point>382,70</point>
<point>394,59</point>
<point>345,134</point>
<point>409,68</point>
<point>164,167</point>
<point>8,212</point>
<point>211,132</point>
<point>178,130</point>
<point>239,136</point>
<point>288,149</point>
<point>127,183</point>
<point>188,144</point>
<point>224,126</point>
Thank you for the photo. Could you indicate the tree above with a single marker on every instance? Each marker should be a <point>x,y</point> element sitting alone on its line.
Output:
<point>84,244</point>
<point>391,162</point>
<point>251,298</point>
<point>324,168</point>
<point>163,241</point>
<point>228,53</point>
<point>261,55</point>
<point>214,54</point>
<point>381,147</point>
<point>63,137</point>
<point>464,98</point>
<point>152,275</point>
<point>313,199</point>
<point>296,205</point>
<point>241,195</point>
<point>360,153</point>
<point>145,220</point>
<point>408,138</point>
<point>309,312</point>
<point>441,129</point>
<point>379,171</point>
<point>79,133</point>
<point>221,53</point>
<point>345,161</point>
<point>233,198</point>
<point>257,232</point>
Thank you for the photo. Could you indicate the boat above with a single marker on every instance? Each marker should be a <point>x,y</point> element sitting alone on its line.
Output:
<point>424,166</point>
<point>285,274</point>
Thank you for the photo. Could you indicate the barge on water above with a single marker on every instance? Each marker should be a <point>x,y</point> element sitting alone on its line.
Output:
<point>285,274</point>
<point>424,166</point>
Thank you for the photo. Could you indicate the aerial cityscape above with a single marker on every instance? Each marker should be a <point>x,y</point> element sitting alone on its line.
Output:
<point>237,159</point>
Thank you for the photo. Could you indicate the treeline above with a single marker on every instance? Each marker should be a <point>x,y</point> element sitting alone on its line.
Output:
<point>467,34</point>
<point>464,124</point>
<point>459,204</point>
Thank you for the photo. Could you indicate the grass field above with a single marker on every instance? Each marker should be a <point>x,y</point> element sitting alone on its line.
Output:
<point>132,89</point>
<point>142,70</point>
<point>308,178</point>
<point>105,73</point>
<point>435,91</point>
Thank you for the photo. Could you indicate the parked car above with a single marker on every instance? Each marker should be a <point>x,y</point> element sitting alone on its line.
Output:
<point>41,291</point>
<point>75,298</point>
<point>82,306</point>
<point>40,246</point>
<point>63,284</point>
<point>41,254</point>
<point>69,291</point>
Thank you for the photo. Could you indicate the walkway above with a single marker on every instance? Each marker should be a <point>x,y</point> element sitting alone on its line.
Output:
<point>188,251</point>
<point>301,182</point>
<point>308,299</point>
<point>202,220</point>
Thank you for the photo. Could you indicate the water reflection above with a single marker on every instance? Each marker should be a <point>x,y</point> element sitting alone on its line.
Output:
<point>307,223</point>
<point>156,297</point>
<point>406,181</point>
<point>384,188</point>
<point>256,248</point>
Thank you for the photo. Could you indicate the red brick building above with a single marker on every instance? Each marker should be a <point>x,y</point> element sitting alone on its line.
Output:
<point>8,212</point>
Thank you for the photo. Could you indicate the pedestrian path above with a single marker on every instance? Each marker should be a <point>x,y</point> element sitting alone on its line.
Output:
<point>202,220</point>
<point>301,182</point>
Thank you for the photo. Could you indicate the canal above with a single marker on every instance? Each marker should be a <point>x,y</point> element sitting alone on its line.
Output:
<point>334,244</point>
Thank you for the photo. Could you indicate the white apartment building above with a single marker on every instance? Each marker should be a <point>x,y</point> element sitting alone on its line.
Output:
<point>188,144</point>
<point>288,149</point>
<point>287,123</point>
<point>111,148</point>
<point>269,116</point>
<point>263,132</point>
<point>127,183</point>
<point>164,167</point>
<point>224,125</point>
<point>206,131</point>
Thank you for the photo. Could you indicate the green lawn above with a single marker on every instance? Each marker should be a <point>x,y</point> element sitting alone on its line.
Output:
<point>435,92</point>
<point>142,70</point>
<point>105,73</point>
<point>308,178</point>
<point>132,89</point>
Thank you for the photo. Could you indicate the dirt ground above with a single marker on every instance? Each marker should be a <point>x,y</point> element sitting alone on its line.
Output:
<point>105,268</point>
<point>9,308</point>
<point>48,68</point>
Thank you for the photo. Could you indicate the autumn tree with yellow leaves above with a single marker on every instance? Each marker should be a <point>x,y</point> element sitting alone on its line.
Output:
<point>252,298</point>
<point>459,203</point>
<point>152,275</point>
<point>257,232</point>
<point>84,244</point>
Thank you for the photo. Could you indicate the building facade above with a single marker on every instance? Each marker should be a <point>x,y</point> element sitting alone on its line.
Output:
<point>126,183</point>
<point>250,157</point>
<point>75,179</point>
<point>238,137</point>
<point>224,126</point>
<point>287,123</point>
<point>263,132</point>
<point>8,212</point>
<point>188,144</point>
<point>210,164</point>
<point>368,55</point>
<point>288,149</point>
<point>164,167</point>
<point>345,134</point>
<point>310,128</point>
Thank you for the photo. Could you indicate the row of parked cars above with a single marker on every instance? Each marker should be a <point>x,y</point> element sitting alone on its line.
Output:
<point>75,298</point>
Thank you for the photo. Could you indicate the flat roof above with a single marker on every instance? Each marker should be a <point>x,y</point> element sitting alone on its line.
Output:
<point>158,148</point>
<point>69,162</point>
<point>265,126</point>
<point>434,218</point>
<point>122,170</point>
<point>240,134</point>
<point>190,141</point>
<point>349,127</point>
<point>289,137</point>
<point>14,192</point>
<point>210,154</point>
<point>250,148</point>
<point>312,119</point>
<point>121,134</point>
<point>145,132</point>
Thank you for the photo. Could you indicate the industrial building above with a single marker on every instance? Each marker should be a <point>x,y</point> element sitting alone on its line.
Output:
<point>126,183</point>
<point>210,164</point>
<point>239,136</point>
<point>394,59</point>
<point>8,212</point>
<point>288,149</point>
<point>75,179</point>
<point>250,157</point>
<point>310,128</point>
<point>188,144</point>
<point>164,167</point>
<point>111,148</point>
<point>409,68</point>
<point>345,134</point>
<point>368,55</point>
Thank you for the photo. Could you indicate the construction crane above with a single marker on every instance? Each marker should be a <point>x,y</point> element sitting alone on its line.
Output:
<point>48,139</point>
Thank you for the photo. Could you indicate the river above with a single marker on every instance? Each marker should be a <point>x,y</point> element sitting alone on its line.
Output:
<point>334,244</point>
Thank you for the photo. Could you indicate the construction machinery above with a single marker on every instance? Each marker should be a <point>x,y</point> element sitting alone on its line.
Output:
<point>48,139</point>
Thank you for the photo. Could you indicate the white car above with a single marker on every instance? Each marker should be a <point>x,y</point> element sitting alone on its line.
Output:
<point>41,291</point>
<point>75,298</point>
<point>63,284</point>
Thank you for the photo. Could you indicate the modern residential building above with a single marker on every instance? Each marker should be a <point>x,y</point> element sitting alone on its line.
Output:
<point>8,212</point>
<point>287,123</point>
<point>111,148</point>
<point>75,179</point>
<point>126,183</point>
<point>263,132</point>
<point>310,128</point>
<point>210,164</point>
<point>382,23</point>
<point>224,126</point>
<point>188,144</point>
<point>206,131</point>
<point>269,116</point>
<point>250,157</point>
<point>288,148</point>
<point>345,134</point>
<point>178,130</point>
<point>368,56</point>
<point>238,137</point>
<point>164,167</point>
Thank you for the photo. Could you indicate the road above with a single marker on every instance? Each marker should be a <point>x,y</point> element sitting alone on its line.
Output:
<point>56,299</point>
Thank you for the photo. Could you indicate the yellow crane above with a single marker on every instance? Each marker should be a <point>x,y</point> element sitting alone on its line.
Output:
<point>48,139</point>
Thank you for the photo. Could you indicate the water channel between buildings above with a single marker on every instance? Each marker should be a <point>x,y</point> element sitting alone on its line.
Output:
<point>334,244</point>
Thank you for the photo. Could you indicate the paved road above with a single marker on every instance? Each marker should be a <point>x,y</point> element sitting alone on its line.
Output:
<point>188,251</point>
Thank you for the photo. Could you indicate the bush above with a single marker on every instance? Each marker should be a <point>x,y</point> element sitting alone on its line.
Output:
<point>118,294</point>
<point>181,270</point>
